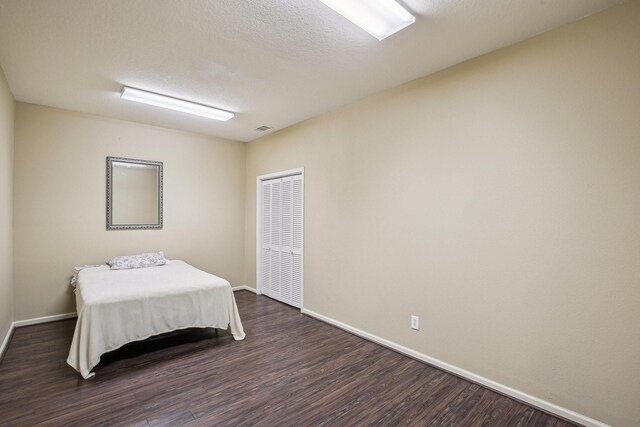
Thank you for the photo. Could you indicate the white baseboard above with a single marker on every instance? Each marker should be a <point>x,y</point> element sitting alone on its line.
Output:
<point>28,322</point>
<point>5,341</point>
<point>45,319</point>
<point>501,388</point>
<point>243,288</point>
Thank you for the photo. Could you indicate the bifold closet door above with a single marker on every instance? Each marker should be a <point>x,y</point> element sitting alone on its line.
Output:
<point>281,271</point>
<point>265,226</point>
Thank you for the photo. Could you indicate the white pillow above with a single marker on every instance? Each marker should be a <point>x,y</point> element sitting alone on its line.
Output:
<point>150,259</point>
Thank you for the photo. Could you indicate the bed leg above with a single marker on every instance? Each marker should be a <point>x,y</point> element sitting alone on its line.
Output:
<point>216,329</point>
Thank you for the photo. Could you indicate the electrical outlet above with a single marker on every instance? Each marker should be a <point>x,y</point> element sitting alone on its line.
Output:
<point>415,323</point>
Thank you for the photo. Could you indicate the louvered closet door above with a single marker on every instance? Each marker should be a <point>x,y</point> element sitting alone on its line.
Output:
<point>282,239</point>
<point>286,242</point>
<point>266,237</point>
<point>296,241</point>
<point>276,232</point>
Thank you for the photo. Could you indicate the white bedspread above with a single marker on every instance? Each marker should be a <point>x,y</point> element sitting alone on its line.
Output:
<point>116,307</point>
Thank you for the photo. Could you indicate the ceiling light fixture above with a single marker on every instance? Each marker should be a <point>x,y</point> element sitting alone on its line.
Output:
<point>176,104</point>
<point>380,18</point>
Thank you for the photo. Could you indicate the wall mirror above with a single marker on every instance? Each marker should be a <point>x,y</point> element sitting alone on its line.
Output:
<point>134,194</point>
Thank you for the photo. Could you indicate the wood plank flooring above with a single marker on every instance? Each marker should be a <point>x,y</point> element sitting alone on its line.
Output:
<point>291,370</point>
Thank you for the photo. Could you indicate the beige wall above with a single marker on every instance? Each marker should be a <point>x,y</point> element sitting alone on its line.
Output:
<point>500,201</point>
<point>59,204</point>
<point>6,200</point>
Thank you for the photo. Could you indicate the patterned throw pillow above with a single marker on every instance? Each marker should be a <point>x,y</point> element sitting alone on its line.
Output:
<point>150,259</point>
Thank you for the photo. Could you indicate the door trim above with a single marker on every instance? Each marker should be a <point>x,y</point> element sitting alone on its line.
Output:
<point>259,179</point>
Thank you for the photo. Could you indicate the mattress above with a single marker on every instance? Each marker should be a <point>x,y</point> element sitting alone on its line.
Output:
<point>116,307</point>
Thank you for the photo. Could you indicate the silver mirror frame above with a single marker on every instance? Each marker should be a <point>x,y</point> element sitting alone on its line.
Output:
<point>110,225</point>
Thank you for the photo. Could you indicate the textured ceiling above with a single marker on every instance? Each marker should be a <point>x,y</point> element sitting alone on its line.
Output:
<point>273,62</point>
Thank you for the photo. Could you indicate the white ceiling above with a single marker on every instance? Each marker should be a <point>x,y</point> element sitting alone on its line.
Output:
<point>273,62</point>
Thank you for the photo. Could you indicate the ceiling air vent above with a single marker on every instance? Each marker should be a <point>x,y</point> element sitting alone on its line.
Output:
<point>263,128</point>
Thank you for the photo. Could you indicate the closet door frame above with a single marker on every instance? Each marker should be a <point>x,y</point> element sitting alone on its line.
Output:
<point>259,180</point>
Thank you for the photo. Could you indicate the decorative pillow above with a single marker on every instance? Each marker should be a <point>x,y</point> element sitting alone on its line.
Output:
<point>150,259</point>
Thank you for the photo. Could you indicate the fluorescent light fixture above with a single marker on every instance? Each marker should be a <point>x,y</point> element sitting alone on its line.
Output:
<point>380,18</point>
<point>176,104</point>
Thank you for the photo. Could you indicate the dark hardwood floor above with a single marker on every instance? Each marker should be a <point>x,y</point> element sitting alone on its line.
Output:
<point>291,370</point>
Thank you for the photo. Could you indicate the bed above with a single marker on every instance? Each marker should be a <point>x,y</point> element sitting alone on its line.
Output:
<point>116,307</point>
